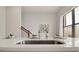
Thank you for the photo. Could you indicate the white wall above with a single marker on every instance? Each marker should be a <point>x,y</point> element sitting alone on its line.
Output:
<point>11,17</point>
<point>13,20</point>
<point>2,21</point>
<point>31,21</point>
<point>60,14</point>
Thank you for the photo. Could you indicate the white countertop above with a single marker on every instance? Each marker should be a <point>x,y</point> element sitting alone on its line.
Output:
<point>12,42</point>
<point>10,45</point>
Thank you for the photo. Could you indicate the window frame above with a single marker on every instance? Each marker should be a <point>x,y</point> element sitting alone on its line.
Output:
<point>74,14</point>
<point>64,19</point>
<point>73,22</point>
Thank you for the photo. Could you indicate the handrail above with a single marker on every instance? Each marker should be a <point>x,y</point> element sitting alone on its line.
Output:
<point>26,31</point>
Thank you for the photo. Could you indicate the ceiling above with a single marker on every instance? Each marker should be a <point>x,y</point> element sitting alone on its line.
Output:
<point>43,9</point>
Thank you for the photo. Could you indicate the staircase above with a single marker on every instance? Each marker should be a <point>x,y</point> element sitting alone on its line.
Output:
<point>26,31</point>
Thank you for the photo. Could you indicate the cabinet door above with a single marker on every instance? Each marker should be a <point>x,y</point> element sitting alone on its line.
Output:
<point>2,21</point>
<point>13,16</point>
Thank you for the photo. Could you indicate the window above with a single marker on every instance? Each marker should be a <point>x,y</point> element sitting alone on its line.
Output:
<point>71,24</point>
<point>69,19</point>
<point>76,15</point>
<point>76,22</point>
<point>68,24</point>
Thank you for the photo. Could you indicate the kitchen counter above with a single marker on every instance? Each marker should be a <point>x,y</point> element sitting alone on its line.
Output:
<point>10,45</point>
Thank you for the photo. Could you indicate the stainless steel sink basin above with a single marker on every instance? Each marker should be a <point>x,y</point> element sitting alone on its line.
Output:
<point>41,42</point>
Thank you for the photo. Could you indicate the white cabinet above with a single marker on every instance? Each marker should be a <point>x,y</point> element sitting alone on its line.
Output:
<point>13,20</point>
<point>2,21</point>
<point>10,21</point>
